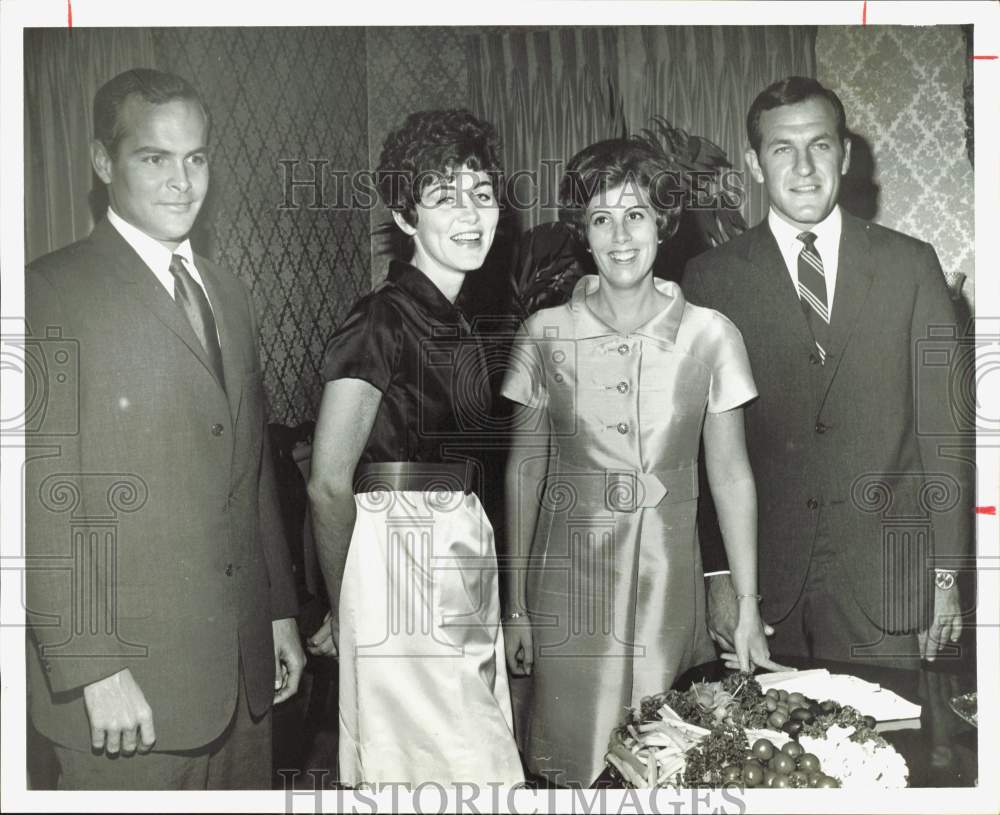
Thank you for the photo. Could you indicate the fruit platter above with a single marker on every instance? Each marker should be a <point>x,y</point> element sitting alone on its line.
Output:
<point>734,732</point>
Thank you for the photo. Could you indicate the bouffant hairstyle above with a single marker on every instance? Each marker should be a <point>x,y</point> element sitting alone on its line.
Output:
<point>430,145</point>
<point>790,91</point>
<point>612,163</point>
<point>154,87</point>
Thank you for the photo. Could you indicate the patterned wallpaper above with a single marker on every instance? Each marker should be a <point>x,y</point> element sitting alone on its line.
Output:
<point>274,93</point>
<point>902,88</point>
<point>304,93</point>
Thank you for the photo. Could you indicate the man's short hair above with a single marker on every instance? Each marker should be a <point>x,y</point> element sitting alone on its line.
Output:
<point>431,145</point>
<point>612,163</point>
<point>790,91</point>
<point>154,87</point>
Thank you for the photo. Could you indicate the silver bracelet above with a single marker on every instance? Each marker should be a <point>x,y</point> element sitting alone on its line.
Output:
<point>515,615</point>
<point>755,596</point>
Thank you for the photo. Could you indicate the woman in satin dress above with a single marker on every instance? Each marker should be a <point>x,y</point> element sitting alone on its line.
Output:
<point>613,391</point>
<point>406,550</point>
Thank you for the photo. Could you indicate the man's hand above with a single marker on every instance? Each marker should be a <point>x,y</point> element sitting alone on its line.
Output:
<point>323,643</point>
<point>518,645</point>
<point>723,611</point>
<point>947,624</point>
<point>120,718</point>
<point>289,659</point>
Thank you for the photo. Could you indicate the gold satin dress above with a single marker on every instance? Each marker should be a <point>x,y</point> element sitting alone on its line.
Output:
<point>615,584</point>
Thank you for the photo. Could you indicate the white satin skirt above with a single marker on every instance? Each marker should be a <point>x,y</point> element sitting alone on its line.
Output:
<point>423,680</point>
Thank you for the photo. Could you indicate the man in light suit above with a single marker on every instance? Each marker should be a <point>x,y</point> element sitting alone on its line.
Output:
<point>159,588</point>
<point>859,496</point>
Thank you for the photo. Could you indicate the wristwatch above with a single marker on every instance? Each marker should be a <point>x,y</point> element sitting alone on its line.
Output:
<point>944,579</point>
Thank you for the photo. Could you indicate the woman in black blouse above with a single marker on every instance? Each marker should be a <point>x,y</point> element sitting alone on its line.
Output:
<point>406,550</point>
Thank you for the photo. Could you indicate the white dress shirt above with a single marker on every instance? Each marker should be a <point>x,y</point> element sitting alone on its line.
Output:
<point>827,234</point>
<point>156,256</point>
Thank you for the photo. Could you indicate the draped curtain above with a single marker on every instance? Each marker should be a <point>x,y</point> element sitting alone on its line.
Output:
<point>62,71</point>
<point>552,92</point>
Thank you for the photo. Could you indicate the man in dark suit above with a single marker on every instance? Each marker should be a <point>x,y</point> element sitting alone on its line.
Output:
<point>859,498</point>
<point>160,594</point>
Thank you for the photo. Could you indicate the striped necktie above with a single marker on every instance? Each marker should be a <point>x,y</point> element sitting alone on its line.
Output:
<point>193,302</point>
<point>812,292</point>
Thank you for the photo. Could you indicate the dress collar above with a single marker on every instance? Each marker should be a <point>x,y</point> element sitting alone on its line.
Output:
<point>662,326</point>
<point>420,288</point>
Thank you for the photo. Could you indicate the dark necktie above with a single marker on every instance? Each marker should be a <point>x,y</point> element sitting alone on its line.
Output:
<point>812,292</point>
<point>193,302</point>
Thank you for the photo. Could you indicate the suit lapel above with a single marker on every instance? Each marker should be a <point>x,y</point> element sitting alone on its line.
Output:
<point>142,285</point>
<point>234,362</point>
<point>776,289</point>
<point>855,273</point>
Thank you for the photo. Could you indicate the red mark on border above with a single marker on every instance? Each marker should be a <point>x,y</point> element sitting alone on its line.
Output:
<point>864,13</point>
<point>69,13</point>
<point>984,56</point>
<point>986,510</point>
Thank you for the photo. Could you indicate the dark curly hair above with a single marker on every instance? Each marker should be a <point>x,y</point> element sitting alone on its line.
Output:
<point>612,163</point>
<point>432,144</point>
<point>790,91</point>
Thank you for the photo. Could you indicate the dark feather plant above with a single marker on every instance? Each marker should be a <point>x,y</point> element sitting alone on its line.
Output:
<point>549,258</point>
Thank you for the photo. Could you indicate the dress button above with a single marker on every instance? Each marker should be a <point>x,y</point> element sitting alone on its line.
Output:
<point>812,503</point>
<point>229,570</point>
<point>814,360</point>
<point>622,387</point>
<point>622,428</point>
<point>821,428</point>
<point>217,429</point>
<point>623,348</point>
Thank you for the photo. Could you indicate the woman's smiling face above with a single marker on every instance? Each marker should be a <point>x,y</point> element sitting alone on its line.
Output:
<point>456,221</point>
<point>622,234</point>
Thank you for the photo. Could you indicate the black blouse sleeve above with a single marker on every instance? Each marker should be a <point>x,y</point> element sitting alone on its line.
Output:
<point>367,346</point>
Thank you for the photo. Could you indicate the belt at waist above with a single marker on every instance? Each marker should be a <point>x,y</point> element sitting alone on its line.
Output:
<point>416,476</point>
<point>619,490</point>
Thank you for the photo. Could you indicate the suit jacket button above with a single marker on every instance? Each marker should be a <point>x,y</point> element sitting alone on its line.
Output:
<point>812,503</point>
<point>622,428</point>
<point>623,348</point>
<point>229,570</point>
<point>821,428</point>
<point>622,387</point>
<point>217,429</point>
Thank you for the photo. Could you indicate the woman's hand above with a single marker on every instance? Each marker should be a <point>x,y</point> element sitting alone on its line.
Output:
<point>324,641</point>
<point>751,649</point>
<point>518,645</point>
